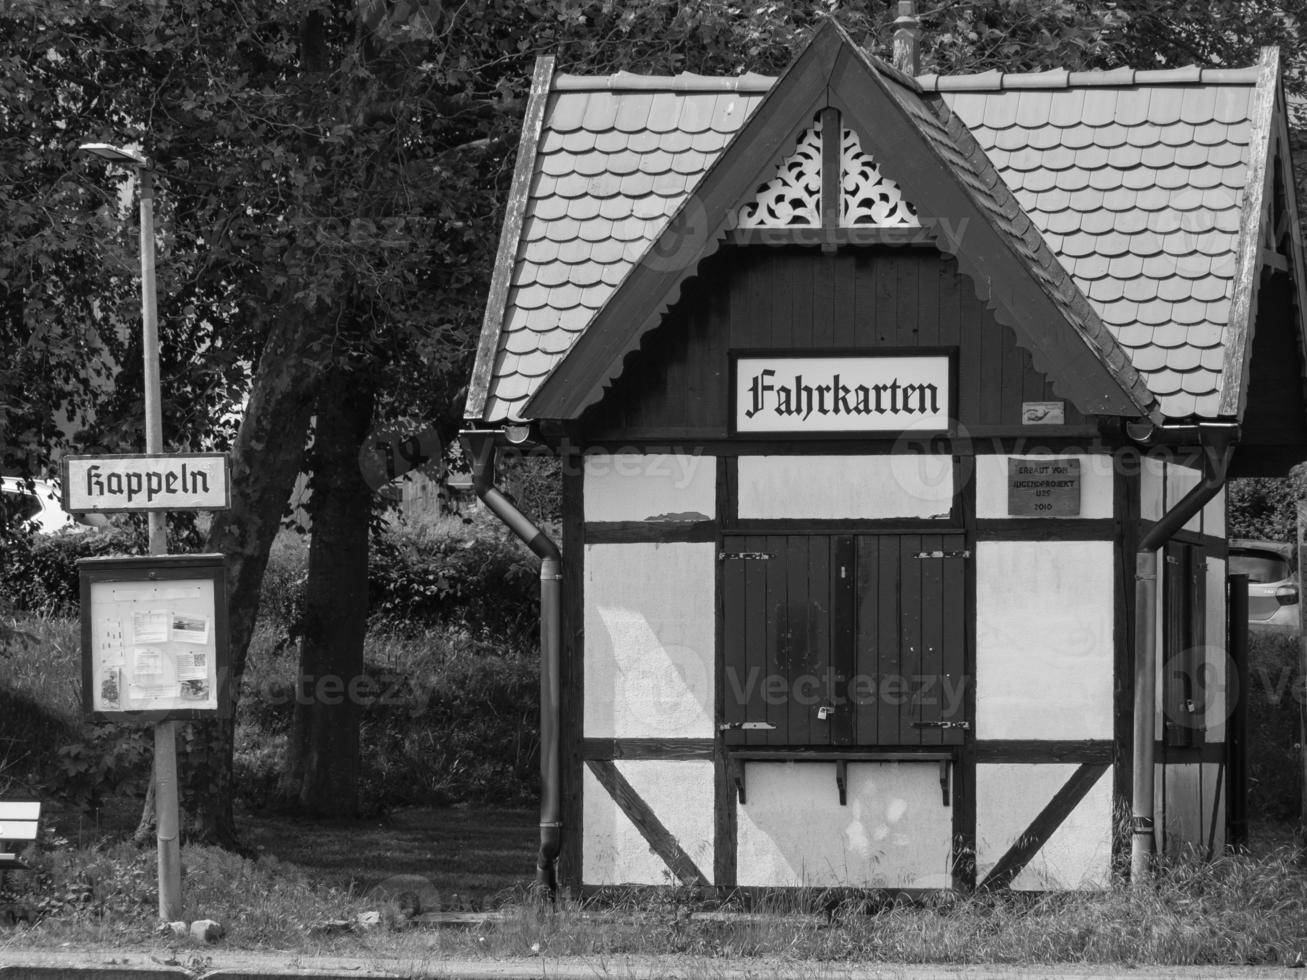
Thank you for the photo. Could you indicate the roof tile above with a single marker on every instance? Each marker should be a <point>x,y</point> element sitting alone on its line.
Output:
<point>1066,108</point>
<point>1099,107</point>
<point>1164,105</point>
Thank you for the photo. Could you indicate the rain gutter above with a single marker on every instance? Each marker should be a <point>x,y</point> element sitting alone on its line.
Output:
<point>481,444</point>
<point>1217,441</point>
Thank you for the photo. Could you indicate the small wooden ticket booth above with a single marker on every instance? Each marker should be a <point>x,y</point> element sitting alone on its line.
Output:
<point>870,393</point>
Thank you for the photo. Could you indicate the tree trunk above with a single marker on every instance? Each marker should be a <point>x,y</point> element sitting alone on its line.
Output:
<point>322,770</point>
<point>266,459</point>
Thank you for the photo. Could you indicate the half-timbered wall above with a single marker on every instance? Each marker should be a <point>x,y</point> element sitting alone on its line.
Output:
<point>1192,673</point>
<point>1033,612</point>
<point>787,298</point>
<point>647,667</point>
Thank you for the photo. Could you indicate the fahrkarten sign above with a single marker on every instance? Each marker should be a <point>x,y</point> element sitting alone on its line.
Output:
<point>833,394</point>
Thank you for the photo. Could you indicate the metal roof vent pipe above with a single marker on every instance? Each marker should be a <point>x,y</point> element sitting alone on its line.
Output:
<point>480,445</point>
<point>907,38</point>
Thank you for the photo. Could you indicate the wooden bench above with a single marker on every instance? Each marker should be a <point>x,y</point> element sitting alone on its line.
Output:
<point>18,822</point>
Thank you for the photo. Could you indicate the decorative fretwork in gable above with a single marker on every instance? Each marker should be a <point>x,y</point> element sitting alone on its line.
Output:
<point>793,197</point>
<point>868,197</point>
<point>801,195</point>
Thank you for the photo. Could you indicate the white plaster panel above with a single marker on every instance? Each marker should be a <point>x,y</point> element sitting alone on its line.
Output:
<point>649,640</point>
<point>1180,480</point>
<point>894,832</point>
<point>1044,639</point>
<point>680,794</point>
<point>846,487</point>
<point>657,486</point>
<point>1078,854</point>
<point>1152,487</point>
<point>1217,677</point>
<point>1214,515</point>
<point>1097,482</point>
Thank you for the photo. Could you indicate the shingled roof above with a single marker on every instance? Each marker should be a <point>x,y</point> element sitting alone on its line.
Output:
<point>1138,182</point>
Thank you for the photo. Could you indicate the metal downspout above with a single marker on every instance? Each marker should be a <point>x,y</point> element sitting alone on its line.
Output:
<point>1217,441</point>
<point>480,445</point>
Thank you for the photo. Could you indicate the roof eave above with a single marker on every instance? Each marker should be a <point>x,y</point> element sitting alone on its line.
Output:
<point>1248,257</point>
<point>501,279</point>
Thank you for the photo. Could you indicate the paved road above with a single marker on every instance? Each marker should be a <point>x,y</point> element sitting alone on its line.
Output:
<point>230,965</point>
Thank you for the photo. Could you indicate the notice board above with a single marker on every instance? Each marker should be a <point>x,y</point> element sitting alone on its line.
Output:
<point>154,637</point>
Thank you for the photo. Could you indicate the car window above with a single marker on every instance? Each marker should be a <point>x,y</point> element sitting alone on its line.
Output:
<point>20,506</point>
<point>1259,566</point>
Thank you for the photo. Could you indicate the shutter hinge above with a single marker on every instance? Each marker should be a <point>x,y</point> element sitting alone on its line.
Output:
<point>745,555</point>
<point>942,554</point>
<point>964,725</point>
<point>748,726</point>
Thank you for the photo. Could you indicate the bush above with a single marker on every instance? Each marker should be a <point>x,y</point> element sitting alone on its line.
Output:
<point>420,578</point>
<point>487,583</point>
<point>40,570</point>
<point>447,718</point>
<point>108,760</point>
<point>1274,760</point>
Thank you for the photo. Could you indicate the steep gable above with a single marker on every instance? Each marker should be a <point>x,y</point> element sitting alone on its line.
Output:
<point>929,153</point>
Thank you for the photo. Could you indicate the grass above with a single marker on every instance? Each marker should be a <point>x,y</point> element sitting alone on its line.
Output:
<point>1236,910</point>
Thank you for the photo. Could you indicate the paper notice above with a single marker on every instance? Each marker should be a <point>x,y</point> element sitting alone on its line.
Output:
<point>149,663</point>
<point>190,629</point>
<point>195,690</point>
<point>192,666</point>
<point>150,627</point>
<point>110,688</point>
<point>154,692</point>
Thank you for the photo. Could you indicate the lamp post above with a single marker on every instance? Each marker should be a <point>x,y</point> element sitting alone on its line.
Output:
<point>165,733</point>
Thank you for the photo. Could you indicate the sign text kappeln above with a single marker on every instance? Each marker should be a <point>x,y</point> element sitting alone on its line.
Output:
<point>160,481</point>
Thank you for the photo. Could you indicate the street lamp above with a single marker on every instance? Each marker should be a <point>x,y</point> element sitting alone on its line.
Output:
<point>165,733</point>
<point>149,317</point>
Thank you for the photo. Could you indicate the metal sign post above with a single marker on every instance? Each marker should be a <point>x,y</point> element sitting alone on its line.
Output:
<point>165,733</point>
<point>166,807</point>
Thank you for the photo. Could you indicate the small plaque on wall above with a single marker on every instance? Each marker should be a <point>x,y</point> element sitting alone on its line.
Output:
<point>1043,487</point>
<point>1043,413</point>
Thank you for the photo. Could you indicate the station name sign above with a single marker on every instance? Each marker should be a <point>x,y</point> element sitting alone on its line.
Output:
<point>156,481</point>
<point>836,393</point>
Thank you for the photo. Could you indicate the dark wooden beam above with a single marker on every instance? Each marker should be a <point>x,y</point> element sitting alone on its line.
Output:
<point>657,836</point>
<point>1027,845</point>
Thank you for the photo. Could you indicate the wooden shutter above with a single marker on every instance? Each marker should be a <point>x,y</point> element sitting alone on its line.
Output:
<point>1184,635</point>
<point>777,597</point>
<point>844,640</point>
<point>910,639</point>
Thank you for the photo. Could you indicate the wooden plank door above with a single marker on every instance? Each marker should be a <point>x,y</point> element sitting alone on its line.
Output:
<point>909,683</point>
<point>778,596</point>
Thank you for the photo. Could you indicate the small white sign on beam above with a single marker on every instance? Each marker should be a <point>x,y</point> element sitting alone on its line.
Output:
<point>146,482</point>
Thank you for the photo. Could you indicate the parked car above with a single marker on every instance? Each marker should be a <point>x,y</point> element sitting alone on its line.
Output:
<point>39,502</point>
<point>1272,582</point>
